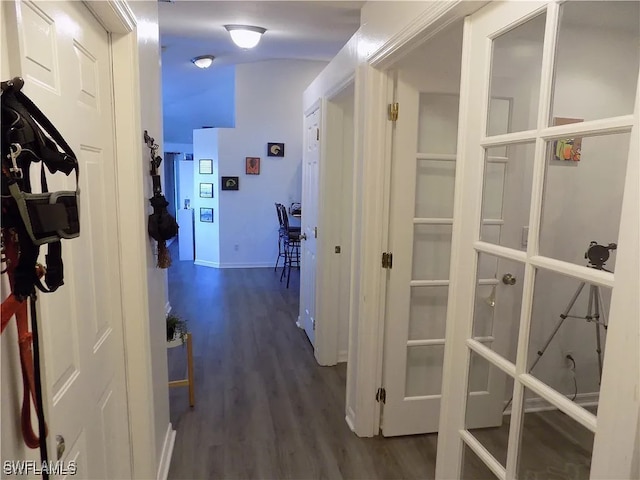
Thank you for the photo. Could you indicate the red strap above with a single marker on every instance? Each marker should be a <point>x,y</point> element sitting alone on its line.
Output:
<point>12,307</point>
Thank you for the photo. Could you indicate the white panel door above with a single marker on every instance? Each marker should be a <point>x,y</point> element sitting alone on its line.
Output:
<point>569,135</point>
<point>309,223</point>
<point>65,61</point>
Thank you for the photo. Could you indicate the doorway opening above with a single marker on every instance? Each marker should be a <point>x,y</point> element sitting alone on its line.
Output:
<point>423,169</point>
<point>328,327</point>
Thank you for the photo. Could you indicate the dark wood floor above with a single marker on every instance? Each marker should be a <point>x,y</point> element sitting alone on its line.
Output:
<point>264,408</point>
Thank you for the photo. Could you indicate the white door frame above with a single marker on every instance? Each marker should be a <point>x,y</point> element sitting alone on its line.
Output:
<point>118,19</point>
<point>373,150</point>
<point>328,277</point>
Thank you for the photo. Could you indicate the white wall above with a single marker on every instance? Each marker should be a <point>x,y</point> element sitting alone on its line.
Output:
<point>146,13</point>
<point>268,109</point>
<point>185,182</point>
<point>207,235</point>
<point>209,100</point>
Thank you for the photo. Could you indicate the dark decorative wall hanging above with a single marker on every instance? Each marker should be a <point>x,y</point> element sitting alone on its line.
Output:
<point>275,149</point>
<point>161,226</point>
<point>230,183</point>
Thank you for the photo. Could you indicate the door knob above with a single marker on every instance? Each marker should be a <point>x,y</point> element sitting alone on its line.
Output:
<point>303,236</point>
<point>508,279</point>
<point>60,446</point>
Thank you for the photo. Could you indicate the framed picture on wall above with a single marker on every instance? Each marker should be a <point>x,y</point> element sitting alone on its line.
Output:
<point>252,165</point>
<point>275,149</point>
<point>206,215</point>
<point>230,183</point>
<point>206,190</point>
<point>205,166</point>
<point>567,150</point>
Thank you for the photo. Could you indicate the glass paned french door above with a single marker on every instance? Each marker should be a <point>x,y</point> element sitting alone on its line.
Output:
<point>539,212</point>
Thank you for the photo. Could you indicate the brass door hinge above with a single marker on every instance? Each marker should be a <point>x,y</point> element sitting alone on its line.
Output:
<point>387,260</point>
<point>392,111</point>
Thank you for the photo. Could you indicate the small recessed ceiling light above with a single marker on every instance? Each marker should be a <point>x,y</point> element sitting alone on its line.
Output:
<point>203,61</point>
<point>245,36</point>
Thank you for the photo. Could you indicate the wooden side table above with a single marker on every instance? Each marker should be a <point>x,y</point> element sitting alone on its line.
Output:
<point>187,382</point>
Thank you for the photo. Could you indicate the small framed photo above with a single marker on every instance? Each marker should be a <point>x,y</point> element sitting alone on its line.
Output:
<point>252,165</point>
<point>567,150</point>
<point>275,149</point>
<point>230,183</point>
<point>206,190</point>
<point>206,215</point>
<point>205,166</point>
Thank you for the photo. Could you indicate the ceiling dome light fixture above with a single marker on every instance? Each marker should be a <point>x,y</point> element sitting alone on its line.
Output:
<point>203,61</point>
<point>245,36</point>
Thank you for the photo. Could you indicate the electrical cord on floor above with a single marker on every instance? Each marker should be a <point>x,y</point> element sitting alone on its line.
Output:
<point>573,373</point>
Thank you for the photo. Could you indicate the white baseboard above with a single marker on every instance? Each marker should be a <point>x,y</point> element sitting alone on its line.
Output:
<point>247,265</point>
<point>349,419</point>
<point>167,452</point>
<point>206,263</point>
<point>538,404</point>
<point>343,356</point>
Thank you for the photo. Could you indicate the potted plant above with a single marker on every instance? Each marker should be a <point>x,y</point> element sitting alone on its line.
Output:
<point>176,327</point>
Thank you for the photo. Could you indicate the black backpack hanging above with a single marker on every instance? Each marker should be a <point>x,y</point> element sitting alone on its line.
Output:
<point>30,220</point>
<point>38,218</point>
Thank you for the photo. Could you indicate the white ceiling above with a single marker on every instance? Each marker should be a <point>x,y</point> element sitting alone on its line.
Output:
<point>309,30</point>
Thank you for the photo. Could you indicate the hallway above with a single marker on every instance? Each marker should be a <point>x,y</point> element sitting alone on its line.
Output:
<point>264,408</point>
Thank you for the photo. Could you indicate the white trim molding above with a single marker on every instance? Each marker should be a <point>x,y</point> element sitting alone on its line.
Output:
<point>539,404</point>
<point>119,20</point>
<point>115,16</point>
<point>206,263</point>
<point>167,453</point>
<point>435,18</point>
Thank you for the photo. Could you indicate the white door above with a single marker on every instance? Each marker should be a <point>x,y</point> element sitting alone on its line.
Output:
<point>64,57</point>
<point>421,215</point>
<point>571,71</point>
<point>423,177</point>
<point>309,223</point>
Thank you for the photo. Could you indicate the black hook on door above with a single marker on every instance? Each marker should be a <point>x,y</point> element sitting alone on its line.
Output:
<point>16,83</point>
